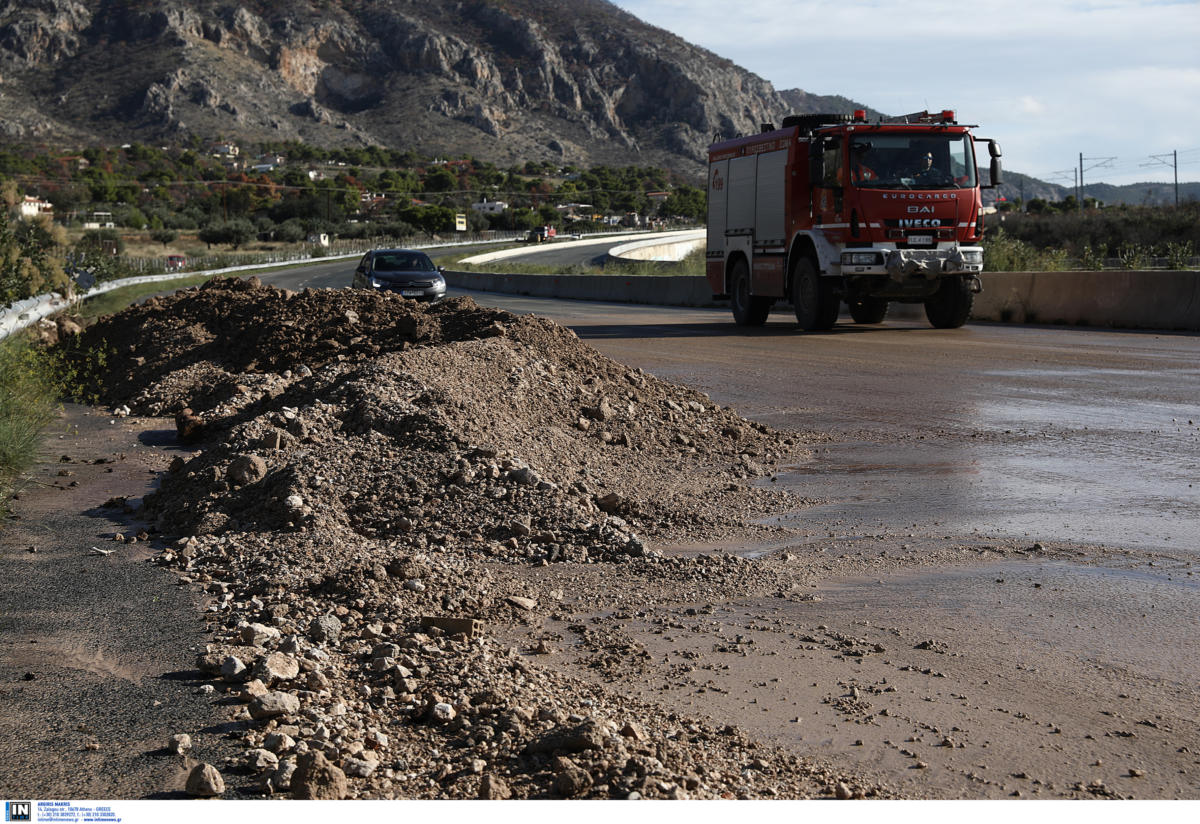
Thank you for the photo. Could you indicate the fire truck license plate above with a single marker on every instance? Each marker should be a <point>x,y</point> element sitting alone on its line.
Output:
<point>920,240</point>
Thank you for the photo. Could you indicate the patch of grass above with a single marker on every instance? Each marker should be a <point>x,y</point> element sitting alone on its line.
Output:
<point>28,400</point>
<point>1004,253</point>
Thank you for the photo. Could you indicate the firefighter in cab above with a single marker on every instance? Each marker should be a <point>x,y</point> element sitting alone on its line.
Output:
<point>860,172</point>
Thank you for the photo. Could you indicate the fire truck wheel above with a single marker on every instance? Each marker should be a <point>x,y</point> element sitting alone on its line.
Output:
<point>868,310</point>
<point>950,306</point>
<point>813,298</point>
<point>748,309</point>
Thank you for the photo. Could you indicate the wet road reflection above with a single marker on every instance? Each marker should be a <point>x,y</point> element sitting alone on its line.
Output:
<point>1091,455</point>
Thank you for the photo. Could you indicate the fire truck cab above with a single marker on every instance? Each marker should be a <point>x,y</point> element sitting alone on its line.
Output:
<point>831,208</point>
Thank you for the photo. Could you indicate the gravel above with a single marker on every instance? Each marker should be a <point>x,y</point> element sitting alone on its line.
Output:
<point>379,491</point>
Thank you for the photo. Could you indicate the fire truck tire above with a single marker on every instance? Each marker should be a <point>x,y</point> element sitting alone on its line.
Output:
<point>950,306</point>
<point>813,298</point>
<point>868,310</point>
<point>748,309</point>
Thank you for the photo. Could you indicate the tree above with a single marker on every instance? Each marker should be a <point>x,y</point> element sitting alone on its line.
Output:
<point>686,201</point>
<point>290,231</point>
<point>31,256</point>
<point>164,236</point>
<point>430,219</point>
<point>440,180</point>
<point>132,217</point>
<point>238,232</point>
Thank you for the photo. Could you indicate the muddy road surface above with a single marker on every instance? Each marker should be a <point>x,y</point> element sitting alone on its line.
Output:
<point>966,569</point>
<point>941,449</point>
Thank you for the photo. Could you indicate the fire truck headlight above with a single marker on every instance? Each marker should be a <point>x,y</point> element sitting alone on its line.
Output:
<point>861,259</point>
<point>973,256</point>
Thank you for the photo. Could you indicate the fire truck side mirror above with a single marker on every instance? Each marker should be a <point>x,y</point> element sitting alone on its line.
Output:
<point>996,172</point>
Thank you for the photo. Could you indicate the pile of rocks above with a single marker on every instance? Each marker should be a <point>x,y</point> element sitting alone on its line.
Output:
<point>379,485</point>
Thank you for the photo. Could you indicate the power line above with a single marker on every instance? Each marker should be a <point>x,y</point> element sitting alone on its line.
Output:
<point>1101,162</point>
<point>1162,159</point>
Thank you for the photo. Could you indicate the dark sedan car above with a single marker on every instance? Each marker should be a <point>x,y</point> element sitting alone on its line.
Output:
<point>407,271</point>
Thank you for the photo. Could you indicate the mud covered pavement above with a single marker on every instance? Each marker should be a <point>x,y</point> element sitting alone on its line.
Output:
<point>450,552</point>
<point>380,491</point>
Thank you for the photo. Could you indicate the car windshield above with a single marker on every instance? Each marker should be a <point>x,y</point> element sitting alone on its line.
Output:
<point>403,262</point>
<point>917,161</point>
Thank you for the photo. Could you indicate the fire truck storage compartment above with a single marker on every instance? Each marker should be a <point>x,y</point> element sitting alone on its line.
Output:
<point>747,194</point>
<point>769,206</point>
<point>741,194</point>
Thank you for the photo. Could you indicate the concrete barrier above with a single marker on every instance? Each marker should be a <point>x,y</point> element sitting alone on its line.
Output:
<point>650,289</point>
<point>1119,299</point>
<point>1123,300</point>
<point>670,249</point>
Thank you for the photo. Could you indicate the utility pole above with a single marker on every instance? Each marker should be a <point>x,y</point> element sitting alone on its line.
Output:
<point>1162,159</point>
<point>1100,162</point>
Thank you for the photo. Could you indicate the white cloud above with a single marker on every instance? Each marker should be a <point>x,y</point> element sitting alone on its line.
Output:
<point>1051,79</point>
<point>1030,106</point>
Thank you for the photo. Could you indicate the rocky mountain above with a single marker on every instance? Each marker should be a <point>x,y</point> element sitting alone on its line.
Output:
<point>504,80</point>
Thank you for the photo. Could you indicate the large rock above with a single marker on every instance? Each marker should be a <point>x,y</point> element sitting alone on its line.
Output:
<point>204,781</point>
<point>274,704</point>
<point>246,469</point>
<point>494,788</point>
<point>316,778</point>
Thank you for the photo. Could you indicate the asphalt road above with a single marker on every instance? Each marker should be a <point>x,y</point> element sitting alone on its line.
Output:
<point>1054,433</point>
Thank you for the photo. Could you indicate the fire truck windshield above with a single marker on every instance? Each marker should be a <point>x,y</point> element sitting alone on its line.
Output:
<point>911,161</point>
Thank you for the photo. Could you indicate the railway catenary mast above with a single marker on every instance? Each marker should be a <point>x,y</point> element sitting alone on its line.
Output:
<point>831,208</point>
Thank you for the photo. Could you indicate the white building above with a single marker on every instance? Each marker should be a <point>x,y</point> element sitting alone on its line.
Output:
<point>490,207</point>
<point>32,207</point>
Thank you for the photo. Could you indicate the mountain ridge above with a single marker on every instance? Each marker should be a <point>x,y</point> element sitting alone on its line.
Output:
<point>506,81</point>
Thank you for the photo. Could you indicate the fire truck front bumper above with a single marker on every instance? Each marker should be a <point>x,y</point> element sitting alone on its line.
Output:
<point>905,264</point>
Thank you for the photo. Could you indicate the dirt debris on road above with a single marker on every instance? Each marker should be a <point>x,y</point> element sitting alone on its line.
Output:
<point>380,489</point>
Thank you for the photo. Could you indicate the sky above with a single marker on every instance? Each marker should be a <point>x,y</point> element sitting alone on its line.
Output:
<point>1115,80</point>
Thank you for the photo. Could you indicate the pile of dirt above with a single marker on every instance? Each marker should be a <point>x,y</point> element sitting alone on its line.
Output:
<point>451,424</point>
<point>381,483</point>
<point>231,327</point>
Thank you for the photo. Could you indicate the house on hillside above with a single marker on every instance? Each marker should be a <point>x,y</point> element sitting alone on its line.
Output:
<point>32,207</point>
<point>78,161</point>
<point>99,220</point>
<point>490,207</point>
<point>267,163</point>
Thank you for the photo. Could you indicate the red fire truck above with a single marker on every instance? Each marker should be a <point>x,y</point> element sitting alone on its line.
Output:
<point>831,208</point>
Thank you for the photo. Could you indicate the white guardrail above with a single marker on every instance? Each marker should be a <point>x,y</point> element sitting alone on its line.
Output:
<point>25,313</point>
